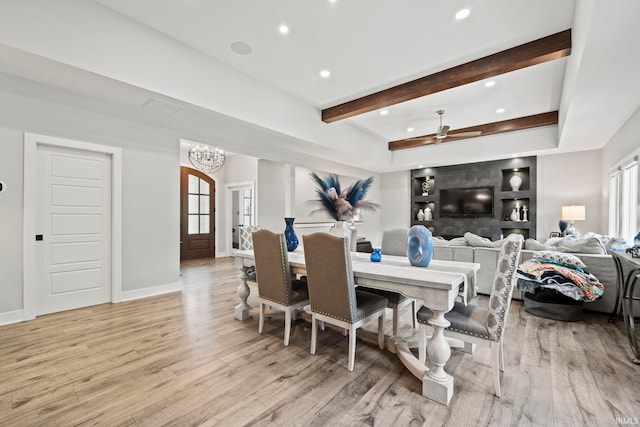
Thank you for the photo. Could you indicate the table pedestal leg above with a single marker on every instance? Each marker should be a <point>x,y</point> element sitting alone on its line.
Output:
<point>436,383</point>
<point>242,309</point>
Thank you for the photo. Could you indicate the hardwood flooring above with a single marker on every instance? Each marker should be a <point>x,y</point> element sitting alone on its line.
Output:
<point>182,359</point>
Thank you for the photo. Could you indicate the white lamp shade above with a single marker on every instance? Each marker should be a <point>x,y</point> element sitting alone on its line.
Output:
<point>573,213</point>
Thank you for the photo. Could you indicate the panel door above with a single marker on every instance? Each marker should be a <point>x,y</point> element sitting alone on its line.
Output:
<point>197,214</point>
<point>74,217</point>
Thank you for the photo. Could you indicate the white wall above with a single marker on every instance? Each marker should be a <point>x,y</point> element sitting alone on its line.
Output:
<point>395,196</point>
<point>624,143</point>
<point>150,177</point>
<point>11,160</point>
<point>569,179</point>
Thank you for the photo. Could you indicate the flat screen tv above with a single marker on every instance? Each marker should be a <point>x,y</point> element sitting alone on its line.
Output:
<point>466,202</point>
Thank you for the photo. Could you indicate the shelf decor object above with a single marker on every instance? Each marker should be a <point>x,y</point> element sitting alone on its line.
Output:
<point>376,256</point>
<point>428,215</point>
<point>426,187</point>
<point>206,159</point>
<point>573,213</point>
<point>290,235</point>
<point>515,182</point>
<point>419,246</point>
<point>420,215</point>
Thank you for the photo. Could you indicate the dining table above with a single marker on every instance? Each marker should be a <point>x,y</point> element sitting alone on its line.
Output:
<point>436,285</point>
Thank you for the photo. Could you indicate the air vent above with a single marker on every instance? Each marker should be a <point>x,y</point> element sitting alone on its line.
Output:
<point>161,106</point>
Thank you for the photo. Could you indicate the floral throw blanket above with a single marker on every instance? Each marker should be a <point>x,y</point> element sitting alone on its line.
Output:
<point>546,275</point>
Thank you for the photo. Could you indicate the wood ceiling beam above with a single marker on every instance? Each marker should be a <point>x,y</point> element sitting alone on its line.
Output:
<point>536,52</point>
<point>536,120</point>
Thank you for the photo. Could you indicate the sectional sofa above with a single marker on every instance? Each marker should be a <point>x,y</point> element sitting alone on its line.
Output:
<point>590,249</point>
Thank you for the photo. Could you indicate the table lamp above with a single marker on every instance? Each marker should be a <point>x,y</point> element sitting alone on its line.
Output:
<point>571,214</point>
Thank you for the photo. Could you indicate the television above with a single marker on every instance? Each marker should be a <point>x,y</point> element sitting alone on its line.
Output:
<point>466,202</point>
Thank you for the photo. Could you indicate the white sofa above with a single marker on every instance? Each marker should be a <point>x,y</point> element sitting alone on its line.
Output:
<point>472,248</point>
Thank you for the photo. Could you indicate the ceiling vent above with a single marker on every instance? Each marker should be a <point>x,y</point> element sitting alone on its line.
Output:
<point>161,106</point>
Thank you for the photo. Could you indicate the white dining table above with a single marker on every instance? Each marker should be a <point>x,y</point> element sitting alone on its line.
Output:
<point>436,286</point>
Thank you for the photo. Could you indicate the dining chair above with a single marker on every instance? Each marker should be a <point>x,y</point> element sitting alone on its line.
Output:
<point>333,297</point>
<point>246,243</point>
<point>479,325</point>
<point>276,288</point>
<point>394,242</point>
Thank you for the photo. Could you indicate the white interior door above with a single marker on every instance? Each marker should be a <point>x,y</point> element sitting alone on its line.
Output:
<point>74,219</point>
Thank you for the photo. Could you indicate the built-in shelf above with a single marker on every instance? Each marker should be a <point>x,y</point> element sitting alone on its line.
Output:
<point>497,174</point>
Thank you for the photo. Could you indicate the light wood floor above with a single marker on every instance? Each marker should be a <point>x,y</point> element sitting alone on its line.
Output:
<point>182,359</point>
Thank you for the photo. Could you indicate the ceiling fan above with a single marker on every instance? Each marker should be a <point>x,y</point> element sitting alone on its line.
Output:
<point>443,130</point>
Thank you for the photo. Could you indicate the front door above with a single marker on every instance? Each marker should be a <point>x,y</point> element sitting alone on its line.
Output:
<point>197,214</point>
<point>74,217</point>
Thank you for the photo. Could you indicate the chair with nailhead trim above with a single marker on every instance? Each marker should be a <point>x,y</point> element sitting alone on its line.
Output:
<point>276,288</point>
<point>474,324</point>
<point>333,297</point>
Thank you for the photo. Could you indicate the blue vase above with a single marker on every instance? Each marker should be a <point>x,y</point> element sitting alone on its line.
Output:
<point>562,225</point>
<point>290,235</point>
<point>375,255</point>
<point>419,246</point>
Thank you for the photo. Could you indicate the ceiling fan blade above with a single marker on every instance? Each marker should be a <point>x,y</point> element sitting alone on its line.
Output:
<point>464,134</point>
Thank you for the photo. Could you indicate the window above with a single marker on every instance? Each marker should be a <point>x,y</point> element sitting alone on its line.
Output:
<point>623,200</point>
<point>198,205</point>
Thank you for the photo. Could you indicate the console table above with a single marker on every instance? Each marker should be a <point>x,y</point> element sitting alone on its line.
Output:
<point>628,271</point>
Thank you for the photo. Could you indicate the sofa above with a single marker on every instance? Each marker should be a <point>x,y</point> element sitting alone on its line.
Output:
<point>590,249</point>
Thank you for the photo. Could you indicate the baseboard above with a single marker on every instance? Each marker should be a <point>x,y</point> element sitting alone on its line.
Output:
<point>151,291</point>
<point>11,317</point>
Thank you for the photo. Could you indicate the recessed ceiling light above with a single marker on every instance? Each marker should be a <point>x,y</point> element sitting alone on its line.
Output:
<point>462,13</point>
<point>500,110</point>
<point>241,48</point>
<point>409,129</point>
<point>384,112</point>
<point>490,83</point>
<point>420,166</point>
<point>333,1</point>
<point>283,29</point>
<point>325,73</point>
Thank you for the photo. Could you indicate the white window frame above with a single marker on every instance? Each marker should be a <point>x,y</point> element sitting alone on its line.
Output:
<point>623,199</point>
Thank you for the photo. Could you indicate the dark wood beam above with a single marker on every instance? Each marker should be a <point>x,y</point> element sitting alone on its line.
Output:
<point>536,52</point>
<point>544,119</point>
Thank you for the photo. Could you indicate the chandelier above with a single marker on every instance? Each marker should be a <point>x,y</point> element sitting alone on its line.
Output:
<point>206,159</point>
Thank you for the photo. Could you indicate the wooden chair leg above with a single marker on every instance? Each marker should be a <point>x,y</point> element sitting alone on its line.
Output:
<point>261,319</point>
<point>495,355</point>
<point>352,347</point>
<point>422,343</point>
<point>381,331</point>
<point>287,326</point>
<point>314,333</point>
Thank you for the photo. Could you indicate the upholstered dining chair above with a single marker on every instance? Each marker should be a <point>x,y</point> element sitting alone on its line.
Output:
<point>333,297</point>
<point>246,243</point>
<point>394,242</point>
<point>474,324</point>
<point>276,288</point>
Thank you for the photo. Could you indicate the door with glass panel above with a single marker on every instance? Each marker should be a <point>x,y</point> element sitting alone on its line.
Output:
<point>197,210</point>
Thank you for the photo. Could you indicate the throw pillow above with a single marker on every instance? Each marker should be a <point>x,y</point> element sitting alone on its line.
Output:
<point>591,245</point>
<point>481,242</point>
<point>458,241</point>
<point>439,241</point>
<point>559,258</point>
<point>534,245</point>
